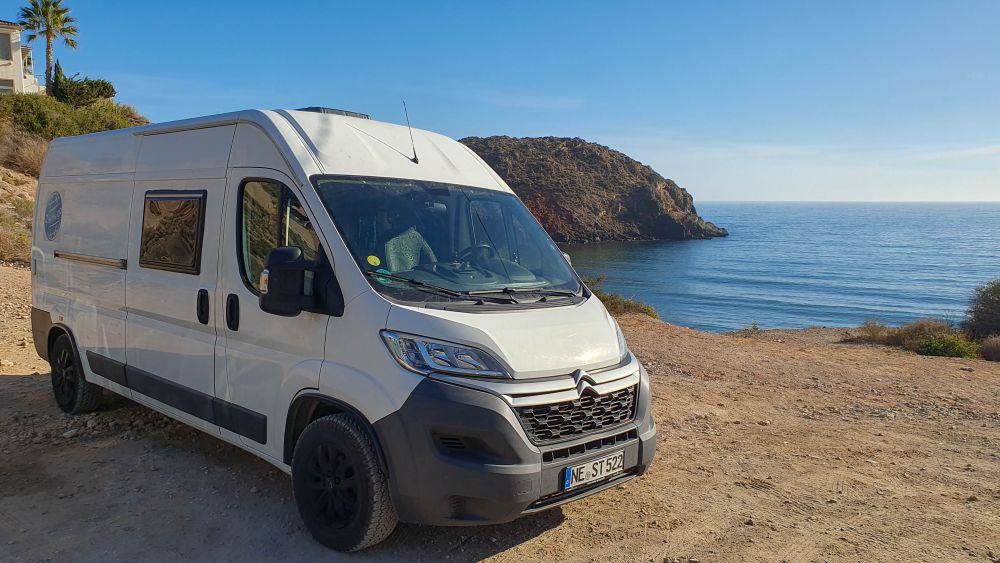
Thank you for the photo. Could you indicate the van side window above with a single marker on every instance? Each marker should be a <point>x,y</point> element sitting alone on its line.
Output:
<point>271,216</point>
<point>173,224</point>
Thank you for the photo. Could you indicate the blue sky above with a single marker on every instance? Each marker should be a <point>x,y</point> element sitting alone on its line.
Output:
<point>818,100</point>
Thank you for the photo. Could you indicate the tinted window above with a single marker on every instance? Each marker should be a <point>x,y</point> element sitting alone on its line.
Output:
<point>172,229</point>
<point>259,203</point>
<point>271,216</point>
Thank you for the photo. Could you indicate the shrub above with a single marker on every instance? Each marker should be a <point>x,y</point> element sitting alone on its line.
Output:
<point>928,337</point>
<point>49,118</point>
<point>990,348</point>
<point>21,151</point>
<point>79,92</point>
<point>951,345</point>
<point>617,304</point>
<point>748,331</point>
<point>984,311</point>
<point>908,336</point>
<point>15,245</point>
<point>872,332</point>
<point>24,208</point>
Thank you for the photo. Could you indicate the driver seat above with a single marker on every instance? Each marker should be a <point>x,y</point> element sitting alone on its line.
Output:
<point>407,250</point>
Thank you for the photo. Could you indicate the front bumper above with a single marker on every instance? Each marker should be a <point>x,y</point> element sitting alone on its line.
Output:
<point>459,456</point>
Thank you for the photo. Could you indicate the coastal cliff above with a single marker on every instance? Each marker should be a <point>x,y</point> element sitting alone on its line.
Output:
<point>585,192</point>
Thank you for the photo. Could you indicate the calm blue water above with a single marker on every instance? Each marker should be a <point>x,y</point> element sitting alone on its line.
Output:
<point>791,265</point>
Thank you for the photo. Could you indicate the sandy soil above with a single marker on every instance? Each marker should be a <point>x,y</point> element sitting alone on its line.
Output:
<point>782,446</point>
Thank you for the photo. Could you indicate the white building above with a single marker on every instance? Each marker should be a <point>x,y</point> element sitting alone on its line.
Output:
<point>16,63</point>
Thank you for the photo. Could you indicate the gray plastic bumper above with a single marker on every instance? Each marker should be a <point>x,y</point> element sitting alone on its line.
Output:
<point>458,456</point>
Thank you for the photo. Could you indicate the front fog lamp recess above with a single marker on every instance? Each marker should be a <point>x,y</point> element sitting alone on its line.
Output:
<point>424,355</point>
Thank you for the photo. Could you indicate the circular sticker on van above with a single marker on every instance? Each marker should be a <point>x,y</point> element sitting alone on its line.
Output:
<point>53,215</point>
<point>374,260</point>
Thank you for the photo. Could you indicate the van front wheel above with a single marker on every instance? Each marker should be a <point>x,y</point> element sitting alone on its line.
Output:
<point>340,489</point>
<point>73,393</point>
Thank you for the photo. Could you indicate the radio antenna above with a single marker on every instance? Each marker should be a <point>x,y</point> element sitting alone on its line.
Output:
<point>412,144</point>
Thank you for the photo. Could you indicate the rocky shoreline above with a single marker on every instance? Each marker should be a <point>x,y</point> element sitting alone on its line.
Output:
<point>582,192</point>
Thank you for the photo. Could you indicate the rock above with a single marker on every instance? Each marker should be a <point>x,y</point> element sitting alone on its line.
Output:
<point>585,192</point>
<point>71,433</point>
<point>966,368</point>
<point>254,490</point>
<point>749,522</point>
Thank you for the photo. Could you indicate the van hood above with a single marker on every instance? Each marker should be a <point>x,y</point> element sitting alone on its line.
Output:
<point>532,343</point>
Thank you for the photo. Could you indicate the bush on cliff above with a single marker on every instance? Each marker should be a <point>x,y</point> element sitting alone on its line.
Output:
<point>49,118</point>
<point>984,311</point>
<point>990,348</point>
<point>618,304</point>
<point>80,92</point>
<point>927,337</point>
<point>950,345</point>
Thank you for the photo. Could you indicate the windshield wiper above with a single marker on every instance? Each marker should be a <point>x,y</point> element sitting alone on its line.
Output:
<point>522,290</point>
<point>436,289</point>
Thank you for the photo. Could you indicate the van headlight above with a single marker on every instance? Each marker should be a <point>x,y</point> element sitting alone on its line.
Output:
<point>622,346</point>
<point>425,355</point>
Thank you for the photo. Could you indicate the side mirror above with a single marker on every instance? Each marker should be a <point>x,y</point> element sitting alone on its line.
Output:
<point>283,289</point>
<point>568,260</point>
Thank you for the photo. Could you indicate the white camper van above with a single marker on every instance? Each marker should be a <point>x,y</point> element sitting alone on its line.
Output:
<point>376,314</point>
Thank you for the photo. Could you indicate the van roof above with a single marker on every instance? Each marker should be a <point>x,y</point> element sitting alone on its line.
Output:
<point>337,145</point>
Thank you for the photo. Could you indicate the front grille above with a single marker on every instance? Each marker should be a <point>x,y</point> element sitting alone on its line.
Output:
<point>590,413</point>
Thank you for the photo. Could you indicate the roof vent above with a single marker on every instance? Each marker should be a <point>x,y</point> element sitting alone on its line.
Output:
<point>331,111</point>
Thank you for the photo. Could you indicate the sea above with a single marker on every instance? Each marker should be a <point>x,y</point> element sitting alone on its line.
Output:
<point>795,265</point>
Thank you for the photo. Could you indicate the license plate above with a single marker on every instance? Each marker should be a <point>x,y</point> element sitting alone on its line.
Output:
<point>576,475</point>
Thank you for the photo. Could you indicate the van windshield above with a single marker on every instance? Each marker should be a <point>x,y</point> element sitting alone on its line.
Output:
<point>442,242</point>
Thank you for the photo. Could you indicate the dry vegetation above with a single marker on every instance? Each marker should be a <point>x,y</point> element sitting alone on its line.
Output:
<point>17,200</point>
<point>21,151</point>
<point>928,337</point>
<point>990,348</point>
<point>618,304</point>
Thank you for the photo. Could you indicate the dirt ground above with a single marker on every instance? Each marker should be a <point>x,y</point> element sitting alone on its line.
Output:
<point>780,446</point>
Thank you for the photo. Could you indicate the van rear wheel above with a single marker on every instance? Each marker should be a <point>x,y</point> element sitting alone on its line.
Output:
<point>340,489</point>
<point>74,394</point>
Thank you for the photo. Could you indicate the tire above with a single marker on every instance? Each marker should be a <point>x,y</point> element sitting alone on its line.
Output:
<point>340,489</point>
<point>73,393</point>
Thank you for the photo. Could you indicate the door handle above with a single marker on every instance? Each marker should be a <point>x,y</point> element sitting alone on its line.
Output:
<point>233,312</point>
<point>202,306</point>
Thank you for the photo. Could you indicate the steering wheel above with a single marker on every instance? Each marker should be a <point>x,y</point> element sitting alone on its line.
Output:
<point>476,253</point>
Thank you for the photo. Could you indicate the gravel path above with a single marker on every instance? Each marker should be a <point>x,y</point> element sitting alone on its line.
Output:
<point>772,447</point>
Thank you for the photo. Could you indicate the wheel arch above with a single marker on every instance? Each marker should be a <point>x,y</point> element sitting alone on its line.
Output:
<point>55,332</point>
<point>311,405</point>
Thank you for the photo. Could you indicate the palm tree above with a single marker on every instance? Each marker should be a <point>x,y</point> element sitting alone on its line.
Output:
<point>49,19</point>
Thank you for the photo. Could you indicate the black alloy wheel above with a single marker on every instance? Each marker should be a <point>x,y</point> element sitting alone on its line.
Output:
<point>340,487</point>
<point>333,485</point>
<point>73,393</point>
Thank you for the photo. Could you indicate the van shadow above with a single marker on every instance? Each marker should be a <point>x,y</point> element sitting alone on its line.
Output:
<point>472,543</point>
<point>219,477</point>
